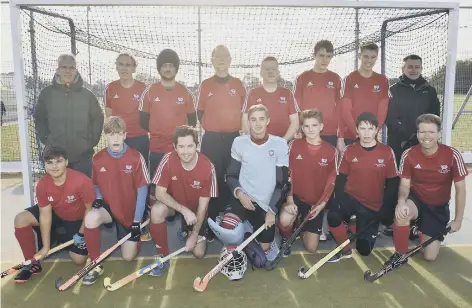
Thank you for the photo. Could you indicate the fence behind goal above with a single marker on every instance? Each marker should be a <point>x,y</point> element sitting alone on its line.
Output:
<point>96,34</point>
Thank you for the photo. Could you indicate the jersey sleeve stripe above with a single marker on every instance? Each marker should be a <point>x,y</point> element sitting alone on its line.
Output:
<point>336,154</point>
<point>459,162</point>
<point>402,160</point>
<point>197,101</point>
<point>141,100</point>
<point>105,95</point>
<point>343,85</point>
<point>158,174</point>
<point>145,169</point>
<point>295,103</point>
<point>290,146</point>
<point>342,156</point>
<point>394,160</point>
<point>194,101</point>
<point>214,187</point>
<point>245,101</point>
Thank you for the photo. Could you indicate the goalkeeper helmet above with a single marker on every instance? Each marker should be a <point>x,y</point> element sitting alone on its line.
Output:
<point>237,266</point>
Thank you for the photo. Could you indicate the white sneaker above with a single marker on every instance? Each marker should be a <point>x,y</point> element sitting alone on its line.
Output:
<point>323,237</point>
<point>273,251</point>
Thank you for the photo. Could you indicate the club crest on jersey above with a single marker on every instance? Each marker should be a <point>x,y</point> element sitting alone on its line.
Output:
<point>283,100</point>
<point>180,100</point>
<point>210,94</point>
<point>70,199</point>
<point>196,185</point>
<point>323,162</point>
<point>380,163</point>
<point>376,88</point>
<point>444,169</point>
<point>330,85</point>
<point>259,100</point>
<point>128,169</point>
<point>232,92</point>
<point>136,97</point>
<point>271,153</point>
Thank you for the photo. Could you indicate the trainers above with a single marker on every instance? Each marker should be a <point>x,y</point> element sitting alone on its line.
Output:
<point>25,274</point>
<point>395,259</point>
<point>273,251</point>
<point>388,231</point>
<point>91,277</point>
<point>323,237</point>
<point>161,268</point>
<point>288,250</point>
<point>145,235</point>
<point>343,254</point>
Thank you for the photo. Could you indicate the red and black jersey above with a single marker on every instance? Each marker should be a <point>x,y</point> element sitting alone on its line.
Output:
<point>280,104</point>
<point>222,104</point>
<point>312,168</point>
<point>67,200</point>
<point>367,171</point>
<point>167,108</point>
<point>432,176</point>
<point>124,103</point>
<point>119,180</point>
<point>320,91</point>
<point>187,186</point>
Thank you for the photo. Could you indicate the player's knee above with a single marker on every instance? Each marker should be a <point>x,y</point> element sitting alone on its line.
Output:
<point>199,253</point>
<point>430,255</point>
<point>78,259</point>
<point>310,246</point>
<point>265,246</point>
<point>363,247</point>
<point>334,219</point>
<point>93,219</point>
<point>23,219</point>
<point>159,212</point>
<point>128,256</point>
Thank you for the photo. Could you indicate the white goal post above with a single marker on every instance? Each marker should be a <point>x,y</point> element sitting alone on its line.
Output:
<point>18,56</point>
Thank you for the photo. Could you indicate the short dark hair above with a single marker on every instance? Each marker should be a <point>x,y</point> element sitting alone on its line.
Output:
<point>184,131</point>
<point>429,118</point>
<point>369,46</point>
<point>53,152</point>
<point>323,44</point>
<point>412,57</point>
<point>270,58</point>
<point>368,117</point>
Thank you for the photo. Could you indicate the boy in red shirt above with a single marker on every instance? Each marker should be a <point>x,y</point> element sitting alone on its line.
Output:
<point>64,196</point>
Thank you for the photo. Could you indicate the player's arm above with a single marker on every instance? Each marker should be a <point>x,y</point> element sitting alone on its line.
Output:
<point>96,119</point>
<point>460,188</point>
<point>201,214</point>
<point>107,102</point>
<point>459,172</point>
<point>141,180</point>
<point>293,118</point>
<point>404,172</point>
<point>144,109</point>
<point>282,179</point>
<point>346,106</point>
<point>41,118</point>
<point>330,181</point>
<point>191,110</point>
<point>245,118</point>
<point>341,177</point>
<point>382,107</point>
<point>434,103</point>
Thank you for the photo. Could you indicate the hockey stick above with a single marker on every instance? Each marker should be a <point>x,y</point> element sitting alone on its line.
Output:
<point>61,286</point>
<point>371,277</point>
<point>16,268</point>
<point>200,285</point>
<point>133,276</point>
<point>305,274</point>
<point>270,265</point>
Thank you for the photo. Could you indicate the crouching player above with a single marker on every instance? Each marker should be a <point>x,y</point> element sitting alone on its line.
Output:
<point>258,177</point>
<point>313,164</point>
<point>121,181</point>
<point>64,196</point>
<point>365,186</point>
<point>185,181</point>
<point>427,171</point>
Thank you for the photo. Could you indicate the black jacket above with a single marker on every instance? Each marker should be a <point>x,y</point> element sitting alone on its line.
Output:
<point>70,118</point>
<point>407,104</point>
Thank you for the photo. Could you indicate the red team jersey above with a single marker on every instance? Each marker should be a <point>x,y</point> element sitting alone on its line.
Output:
<point>432,176</point>
<point>119,180</point>
<point>312,167</point>
<point>320,91</point>
<point>365,95</point>
<point>124,103</point>
<point>280,104</point>
<point>366,173</point>
<point>68,200</point>
<point>167,109</point>
<point>222,104</point>
<point>187,186</point>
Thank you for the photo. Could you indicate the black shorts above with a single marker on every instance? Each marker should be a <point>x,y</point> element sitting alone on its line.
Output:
<point>61,231</point>
<point>256,219</point>
<point>432,220</point>
<point>141,144</point>
<point>154,161</point>
<point>313,226</point>
<point>121,230</point>
<point>331,139</point>
<point>186,229</point>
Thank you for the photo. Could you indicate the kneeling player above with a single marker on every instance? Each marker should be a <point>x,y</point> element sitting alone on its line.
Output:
<point>427,171</point>
<point>185,181</point>
<point>258,177</point>
<point>64,196</point>
<point>121,181</point>
<point>365,187</point>
<point>313,165</point>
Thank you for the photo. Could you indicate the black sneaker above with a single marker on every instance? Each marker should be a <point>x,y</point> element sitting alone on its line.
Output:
<point>388,231</point>
<point>286,251</point>
<point>343,254</point>
<point>91,277</point>
<point>395,260</point>
<point>210,236</point>
<point>25,274</point>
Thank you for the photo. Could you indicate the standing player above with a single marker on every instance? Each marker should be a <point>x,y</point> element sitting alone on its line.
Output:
<point>258,177</point>
<point>185,181</point>
<point>64,196</point>
<point>365,186</point>
<point>122,98</point>
<point>279,102</point>
<point>164,106</point>
<point>427,171</point>
<point>320,88</point>
<point>121,183</point>
<point>220,101</point>
<point>363,91</point>
<point>313,164</point>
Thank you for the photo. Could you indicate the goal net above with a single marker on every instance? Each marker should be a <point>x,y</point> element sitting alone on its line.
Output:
<point>98,33</point>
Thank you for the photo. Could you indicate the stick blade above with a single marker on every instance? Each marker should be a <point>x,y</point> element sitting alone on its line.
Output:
<point>301,272</point>
<point>368,276</point>
<point>199,285</point>
<point>58,283</point>
<point>107,284</point>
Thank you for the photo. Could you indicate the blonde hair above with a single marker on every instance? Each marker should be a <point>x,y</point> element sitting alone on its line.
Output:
<point>114,124</point>
<point>312,114</point>
<point>126,54</point>
<point>258,107</point>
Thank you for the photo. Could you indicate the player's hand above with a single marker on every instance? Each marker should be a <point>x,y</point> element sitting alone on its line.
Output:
<point>41,253</point>
<point>189,217</point>
<point>191,241</point>
<point>341,144</point>
<point>135,229</point>
<point>298,135</point>
<point>455,226</point>
<point>245,201</point>
<point>269,219</point>
<point>291,208</point>
<point>402,211</point>
<point>79,240</point>
<point>316,210</point>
